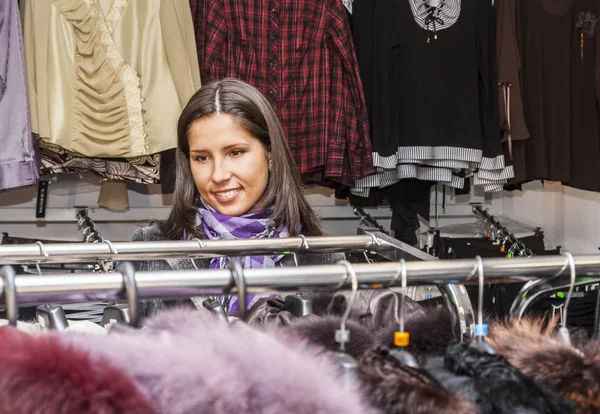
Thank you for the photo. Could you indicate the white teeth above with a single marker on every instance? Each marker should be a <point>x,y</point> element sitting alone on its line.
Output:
<point>226,194</point>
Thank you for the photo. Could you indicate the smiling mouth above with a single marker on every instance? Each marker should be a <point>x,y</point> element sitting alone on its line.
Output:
<point>227,195</point>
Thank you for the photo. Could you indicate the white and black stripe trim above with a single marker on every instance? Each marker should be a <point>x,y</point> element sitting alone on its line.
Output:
<point>447,13</point>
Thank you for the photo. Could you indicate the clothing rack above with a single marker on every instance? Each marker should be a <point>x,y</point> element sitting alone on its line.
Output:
<point>81,287</point>
<point>106,250</point>
<point>508,243</point>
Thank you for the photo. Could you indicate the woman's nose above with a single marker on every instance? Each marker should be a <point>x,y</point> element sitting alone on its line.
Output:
<point>221,172</point>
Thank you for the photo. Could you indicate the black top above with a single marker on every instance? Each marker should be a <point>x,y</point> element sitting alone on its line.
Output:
<point>432,104</point>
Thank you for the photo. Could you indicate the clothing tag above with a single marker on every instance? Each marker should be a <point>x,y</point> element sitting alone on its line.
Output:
<point>42,197</point>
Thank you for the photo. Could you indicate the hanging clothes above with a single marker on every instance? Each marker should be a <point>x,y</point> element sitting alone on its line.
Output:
<point>585,112</point>
<point>19,160</point>
<point>512,118</point>
<point>144,169</point>
<point>560,102</point>
<point>430,82</point>
<point>300,55</point>
<point>105,83</point>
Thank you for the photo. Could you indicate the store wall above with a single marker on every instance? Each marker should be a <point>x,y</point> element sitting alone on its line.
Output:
<point>66,194</point>
<point>570,217</point>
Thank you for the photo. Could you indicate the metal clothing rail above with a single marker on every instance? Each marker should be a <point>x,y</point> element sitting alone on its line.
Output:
<point>86,252</point>
<point>83,287</point>
<point>147,250</point>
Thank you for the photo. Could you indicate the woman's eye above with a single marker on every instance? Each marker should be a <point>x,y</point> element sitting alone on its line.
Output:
<point>201,158</point>
<point>236,153</point>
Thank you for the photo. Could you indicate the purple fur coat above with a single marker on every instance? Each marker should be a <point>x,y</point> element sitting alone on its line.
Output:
<point>189,362</point>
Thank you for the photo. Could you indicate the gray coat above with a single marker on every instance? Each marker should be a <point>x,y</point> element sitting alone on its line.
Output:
<point>153,233</point>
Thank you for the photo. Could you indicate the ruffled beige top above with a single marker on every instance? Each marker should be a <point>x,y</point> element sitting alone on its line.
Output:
<point>109,78</point>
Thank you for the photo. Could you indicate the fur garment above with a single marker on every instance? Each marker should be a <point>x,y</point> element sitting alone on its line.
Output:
<point>320,331</point>
<point>190,362</point>
<point>430,333</point>
<point>528,344</point>
<point>39,374</point>
<point>502,388</point>
<point>398,389</point>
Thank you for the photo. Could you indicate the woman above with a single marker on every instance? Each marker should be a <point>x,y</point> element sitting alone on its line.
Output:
<point>235,178</point>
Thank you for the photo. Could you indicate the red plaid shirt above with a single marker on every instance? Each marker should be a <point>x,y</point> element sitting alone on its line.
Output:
<point>301,56</point>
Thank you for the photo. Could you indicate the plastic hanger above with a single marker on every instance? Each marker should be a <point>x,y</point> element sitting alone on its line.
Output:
<point>51,316</point>
<point>400,355</point>
<point>348,365</point>
<point>298,305</point>
<point>215,307</point>
<point>7,273</point>
<point>239,281</point>
<point>481,329</point>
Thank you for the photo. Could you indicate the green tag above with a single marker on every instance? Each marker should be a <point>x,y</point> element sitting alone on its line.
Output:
<point>560,295</point>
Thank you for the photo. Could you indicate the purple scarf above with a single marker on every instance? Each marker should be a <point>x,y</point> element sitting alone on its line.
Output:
<point>254,225</point>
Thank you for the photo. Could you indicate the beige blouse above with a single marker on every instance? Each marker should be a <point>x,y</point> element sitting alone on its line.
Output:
<point>109,78</point>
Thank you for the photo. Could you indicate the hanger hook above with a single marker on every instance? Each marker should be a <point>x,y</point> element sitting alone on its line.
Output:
<point>201,244</point>
<point>571,263</point>
<point>403,274</point>
<point>349,271</point>
<point>111,246</point>
<point>42,248</point>
<point>131,290</point>
<point>7,273</point>
<point>481,279</point>
<point>304,243</point>
<point>396,276</point>
<point>239,280</point>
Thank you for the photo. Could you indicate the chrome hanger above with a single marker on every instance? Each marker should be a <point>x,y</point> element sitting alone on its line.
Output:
<point>399,355</point>
<point>43,252</point>
<point>303,244</point>
<point>348,365</point>
<point>563,332</point>
<point>239,282</point>
<point>201,245</point>
<point>7,273</point>
<point>535,289</point>
<point>481,329</point>
<point>124,313</point>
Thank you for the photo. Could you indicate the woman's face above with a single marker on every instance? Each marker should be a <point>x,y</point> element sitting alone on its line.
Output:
<point>230,167</point>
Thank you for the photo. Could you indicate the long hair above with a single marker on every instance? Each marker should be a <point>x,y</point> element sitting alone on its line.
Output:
<point>283,196</point>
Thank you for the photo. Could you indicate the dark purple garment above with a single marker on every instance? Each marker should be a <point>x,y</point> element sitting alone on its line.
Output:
<point>19,162</point>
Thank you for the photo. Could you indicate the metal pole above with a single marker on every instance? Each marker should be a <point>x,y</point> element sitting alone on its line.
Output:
<point>84,287</point>
<point>90,252</point>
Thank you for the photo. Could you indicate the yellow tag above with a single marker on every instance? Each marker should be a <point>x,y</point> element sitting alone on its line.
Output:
<point>377,286</point>
<point>401,338</point>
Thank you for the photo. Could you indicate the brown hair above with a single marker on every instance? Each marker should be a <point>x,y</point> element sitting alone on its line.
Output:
<point>284,194</point>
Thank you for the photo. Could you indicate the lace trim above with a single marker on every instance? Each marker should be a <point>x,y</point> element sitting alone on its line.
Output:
<point>115,13</point>
<point>129,77</point>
